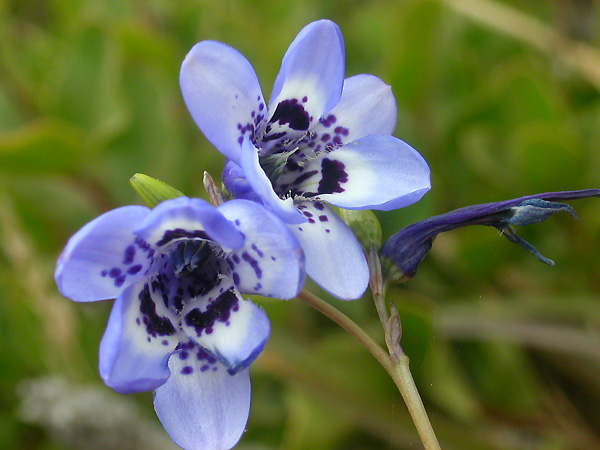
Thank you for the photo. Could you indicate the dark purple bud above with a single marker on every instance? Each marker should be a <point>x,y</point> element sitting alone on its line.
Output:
<point>404,251</point>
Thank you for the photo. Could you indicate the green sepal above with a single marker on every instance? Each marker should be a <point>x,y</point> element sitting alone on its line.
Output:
<point>153,191</point>
<point>365,225</point>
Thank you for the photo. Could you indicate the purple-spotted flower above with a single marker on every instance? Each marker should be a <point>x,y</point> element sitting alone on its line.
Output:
<point>179,325</point>
<point>404,251</point>
<point>320,139</point>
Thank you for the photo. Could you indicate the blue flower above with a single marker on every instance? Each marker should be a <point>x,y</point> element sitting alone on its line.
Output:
<point>179,325</point>
<point>405,250</point>
<point>320,139</point>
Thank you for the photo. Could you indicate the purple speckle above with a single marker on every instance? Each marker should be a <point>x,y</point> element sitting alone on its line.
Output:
<point>304,99</point>
<point>325,137</point>
<point>327,230</point>
<point>236,278</point>
<point>134,269</point>
<point>311,220</point>
<point>129,255</point>
<point>333,175</point>
<point>319,206</point>
<point>104,273</point>
<point>261,106</point>
<point>114,272</point>
<point>273,258</point>
<point>183,355</point>
<point>120,280</point>
<point>257,250</point>
<point>253,263</point>
<point>292,113</point>
<point>323,218</point>
<point>187,370</point>
<point>300,229</point>
<point>214,369</point>
<point>165,342</point>
<point>204,368</point>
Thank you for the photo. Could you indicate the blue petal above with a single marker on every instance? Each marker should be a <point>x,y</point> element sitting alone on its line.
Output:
<point>271,262</point>
<point>103,258</point>
<point>222,92</point>
<point>261,184</point>
<point>231,328</point>
<point>312,75</point>
<point>236,183</point>
<point>367,106</point>
<point>201,406</point>
<point>140,336</point>
<point>375,172</point>
<point>334,257</point>
<point>184,218</point>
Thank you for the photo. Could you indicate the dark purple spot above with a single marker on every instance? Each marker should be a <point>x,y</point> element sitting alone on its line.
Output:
<point>114,272</point>
<point>319,206</point>
<point>214,369</point>
<point>240,140</point>
<point>261,106</point>
<point>204,368</point>
<point>155,324</point>
<point>236,278</point>
<point>327,230</point>
<point>138,321</point>
<point>253,263</point>
<point>304,99</point>
<point>129,255</point>
<point>307,214</point>
<point>211,359</point>
<point>183,355</point>
<point>323,218</point>
<point>300,229</point>
<point>165,342</point>
<point>236,259</point>
<point>325,137</point>
<point>237,222</point>
<point>217,311</point>
<point>311,220</point>
<point>273,258</point>
<point>292,113</point>
<point>187,370</point>
<point>305,176</point>
<point>257,250</point>
<point>104,273</point>
<point>134,269</point>
<point>333,175</point>
<point>120,280</point>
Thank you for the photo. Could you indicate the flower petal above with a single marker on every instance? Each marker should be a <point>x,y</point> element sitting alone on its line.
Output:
<point>231,328</point>
<point>259,181</point>
<point>188,218</point>
<point>310,81</point>
<point>367,106</point>
<point>375,172</point>
<point>222,92</point>
<point>271,262</point>
<point>201,406</point>
<point>104,257</point>
<point>140,336</point>
<point>235,182</point>
<point>334,258</point>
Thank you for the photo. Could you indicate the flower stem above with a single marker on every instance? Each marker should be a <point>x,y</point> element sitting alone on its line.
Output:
<point>396,364</point>
<point>350,326</point>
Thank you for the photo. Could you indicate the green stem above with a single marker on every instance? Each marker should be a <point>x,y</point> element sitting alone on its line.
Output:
<point>397,366</point>
<point>350,326</point>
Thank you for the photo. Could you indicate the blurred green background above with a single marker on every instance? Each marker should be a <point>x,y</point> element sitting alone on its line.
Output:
<point>502,99</point>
